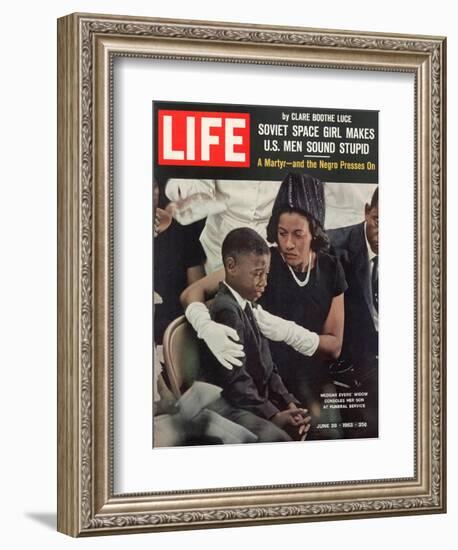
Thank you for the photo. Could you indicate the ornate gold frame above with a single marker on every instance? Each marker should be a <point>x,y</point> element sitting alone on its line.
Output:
<point>87,44</point>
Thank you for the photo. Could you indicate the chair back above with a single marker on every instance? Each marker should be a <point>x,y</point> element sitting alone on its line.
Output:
<point>181,355</point>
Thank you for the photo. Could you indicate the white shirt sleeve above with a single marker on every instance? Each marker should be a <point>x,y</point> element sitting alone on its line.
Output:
<point>177,189</point>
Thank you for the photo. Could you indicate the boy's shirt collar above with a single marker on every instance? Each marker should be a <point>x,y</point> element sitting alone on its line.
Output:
<point>241,301</point>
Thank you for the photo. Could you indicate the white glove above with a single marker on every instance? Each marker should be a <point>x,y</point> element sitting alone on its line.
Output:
<point>219,338</point>
<point>279,330</point>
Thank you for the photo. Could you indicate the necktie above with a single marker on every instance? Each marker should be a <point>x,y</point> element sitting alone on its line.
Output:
<point>254,325</point>
<point>375,282</point>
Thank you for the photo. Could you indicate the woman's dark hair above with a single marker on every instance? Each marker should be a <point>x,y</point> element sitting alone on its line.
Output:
<point>304,195</point>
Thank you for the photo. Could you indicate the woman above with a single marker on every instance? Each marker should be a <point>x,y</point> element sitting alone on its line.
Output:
<point>305,285</point>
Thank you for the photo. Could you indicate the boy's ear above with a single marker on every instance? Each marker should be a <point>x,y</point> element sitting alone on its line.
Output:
<point>230,263</point>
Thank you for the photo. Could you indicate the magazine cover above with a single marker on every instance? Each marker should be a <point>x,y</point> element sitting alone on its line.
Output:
<point>265,256</point>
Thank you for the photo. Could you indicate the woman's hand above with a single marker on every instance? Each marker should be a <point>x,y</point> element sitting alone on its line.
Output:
<point>220,339</point>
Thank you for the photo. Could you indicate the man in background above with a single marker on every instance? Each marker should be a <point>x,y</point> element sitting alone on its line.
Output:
<point>357,248</point>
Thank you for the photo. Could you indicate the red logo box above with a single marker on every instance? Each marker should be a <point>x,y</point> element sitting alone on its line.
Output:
<point>203,138</point>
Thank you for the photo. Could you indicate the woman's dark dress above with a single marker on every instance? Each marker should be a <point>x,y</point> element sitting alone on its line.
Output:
<point>309,307</point>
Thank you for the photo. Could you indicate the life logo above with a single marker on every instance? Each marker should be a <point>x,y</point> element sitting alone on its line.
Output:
<point>203,138</point>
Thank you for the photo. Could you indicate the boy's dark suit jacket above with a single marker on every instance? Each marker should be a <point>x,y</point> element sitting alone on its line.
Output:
<point>360,343</point>
<point>256,386</point>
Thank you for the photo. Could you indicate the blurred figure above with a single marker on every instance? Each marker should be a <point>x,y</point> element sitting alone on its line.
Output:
<point>246,204</point>
<point>189,421</point>
<point>178,262</point>
<point>357,248</point>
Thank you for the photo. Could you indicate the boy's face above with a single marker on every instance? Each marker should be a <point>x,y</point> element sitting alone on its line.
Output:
<point>247,274</point>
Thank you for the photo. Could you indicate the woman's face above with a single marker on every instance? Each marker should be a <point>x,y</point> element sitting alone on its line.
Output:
<point>294,238</point>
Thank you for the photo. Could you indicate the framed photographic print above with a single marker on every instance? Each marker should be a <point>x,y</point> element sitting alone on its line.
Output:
<point>231,349</point>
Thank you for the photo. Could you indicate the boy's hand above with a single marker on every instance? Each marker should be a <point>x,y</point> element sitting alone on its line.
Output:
<point>292,416</point>
<point>305,426</point>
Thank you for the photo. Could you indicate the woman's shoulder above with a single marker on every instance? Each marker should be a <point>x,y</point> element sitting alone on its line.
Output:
<point>333,272</point>
<point>327,261</point>
<point>326,258</point>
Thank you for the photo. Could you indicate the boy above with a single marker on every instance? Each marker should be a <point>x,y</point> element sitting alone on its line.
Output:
<point>253,395</point>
